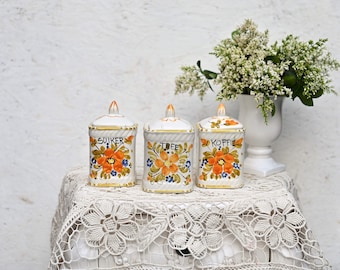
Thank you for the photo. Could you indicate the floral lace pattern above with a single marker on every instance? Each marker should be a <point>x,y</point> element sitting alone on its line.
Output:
<point>195,231</point>
<point>109,226</point>
<point>277,222</point>
<point>257,227</point>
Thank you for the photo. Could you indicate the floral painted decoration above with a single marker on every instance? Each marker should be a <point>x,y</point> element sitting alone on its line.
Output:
<point>169,165</point>
<point>220,162</point>
<point>223,123</point>
<point>114,160</point>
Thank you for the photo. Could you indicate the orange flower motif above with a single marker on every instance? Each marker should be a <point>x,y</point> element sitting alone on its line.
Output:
<point>93,141</point>
<point>167,163</point>
<point>129,139</point>
<point>93,174</point>
<point>221,163</point>
<point>112,160</point>
<point>230,122</point>
<point>205,142</point>
<point>238,143</point>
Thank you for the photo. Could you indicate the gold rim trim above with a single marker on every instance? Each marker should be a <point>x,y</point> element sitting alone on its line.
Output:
<point>112,127</point>
<point>168,130</point>
<point>168,191</point>
<point>130,184</point>
<point>239,130</point>
<point>218,186</point>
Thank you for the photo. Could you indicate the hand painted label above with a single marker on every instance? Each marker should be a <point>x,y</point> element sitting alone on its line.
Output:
<point>111,157</point>
<point>115,140</point>
<point>222,142</point>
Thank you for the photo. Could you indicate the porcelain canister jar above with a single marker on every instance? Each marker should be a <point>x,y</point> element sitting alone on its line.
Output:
<point>168,155</point>
<point>221,151</point>
<point>112,150</point>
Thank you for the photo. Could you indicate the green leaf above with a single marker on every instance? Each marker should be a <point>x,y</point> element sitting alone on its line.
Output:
<point>306,101</point>
<point>319,93</point>
<point>199,64</point>
<point>298,92</point>
<point>297,89</point>
<point>209,74</point>
<point>290,78</point>
<point>235,33</point>
<point>274,58</point>
<point>273,109</point>
<point>210,86</point>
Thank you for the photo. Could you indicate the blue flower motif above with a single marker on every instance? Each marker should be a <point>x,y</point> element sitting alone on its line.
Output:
<point>188,164</point>
<point>224,174</point>
<point>93,161</point>
<point>169,179</point>
<point>236,165</point>
<point>113,173</point>
<point>125,162</point>
<point>204,161</point>
<point>149,162</point>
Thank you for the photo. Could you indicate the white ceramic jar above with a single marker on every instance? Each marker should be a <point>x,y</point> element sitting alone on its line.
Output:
<point>221,151</point>
<point>112,150</point>
<point>168,155</point>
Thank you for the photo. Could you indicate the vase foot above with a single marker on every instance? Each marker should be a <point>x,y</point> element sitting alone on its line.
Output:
<point>262,166</point>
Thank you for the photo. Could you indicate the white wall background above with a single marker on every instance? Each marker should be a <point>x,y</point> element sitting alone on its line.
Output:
<point>62,62</point>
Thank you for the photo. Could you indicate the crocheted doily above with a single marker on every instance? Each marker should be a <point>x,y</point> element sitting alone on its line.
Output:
<point>259,226</point>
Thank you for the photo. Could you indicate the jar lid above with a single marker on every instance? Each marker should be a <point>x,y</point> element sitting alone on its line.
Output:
<point>113,120</point>
<point>220,123</point>
<point>169,123</point>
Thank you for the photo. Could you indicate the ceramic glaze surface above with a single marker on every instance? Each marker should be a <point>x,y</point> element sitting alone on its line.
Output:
<point>221,151</point>
<point>112,150</point>
<point>260,136</point>
<point>168,155</point>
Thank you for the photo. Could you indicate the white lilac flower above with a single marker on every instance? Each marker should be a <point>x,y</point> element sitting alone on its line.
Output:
<point>190,81</point>
<point>249,65</point>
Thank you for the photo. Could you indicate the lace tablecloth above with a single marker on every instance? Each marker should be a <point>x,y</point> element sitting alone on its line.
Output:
<point>259,226</point>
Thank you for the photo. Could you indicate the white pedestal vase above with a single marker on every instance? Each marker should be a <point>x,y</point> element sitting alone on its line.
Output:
<point>259,136</point>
